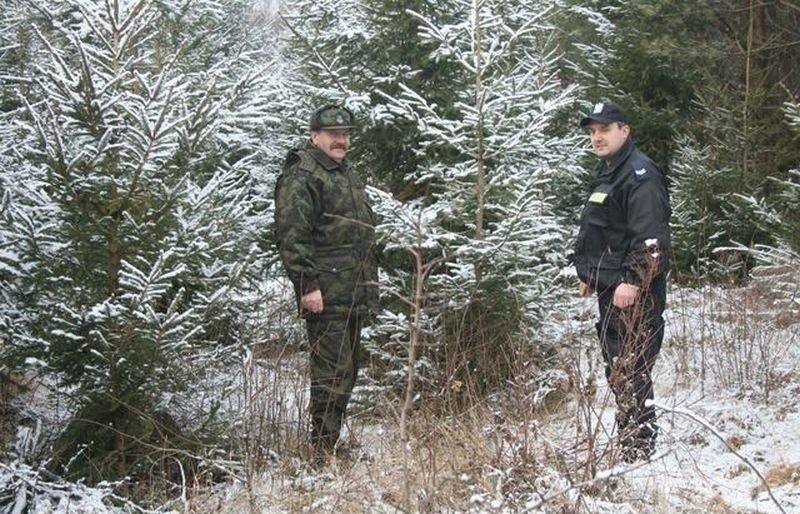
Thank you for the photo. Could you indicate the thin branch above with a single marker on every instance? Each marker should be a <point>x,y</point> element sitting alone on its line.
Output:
<point>694,417</point>
<point>602,476</point>
<point>319,57</point>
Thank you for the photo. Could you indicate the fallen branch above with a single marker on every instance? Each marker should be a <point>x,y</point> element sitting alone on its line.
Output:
<point>698,419</point>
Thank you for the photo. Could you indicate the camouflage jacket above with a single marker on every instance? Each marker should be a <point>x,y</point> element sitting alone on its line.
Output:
<point>326,232</point>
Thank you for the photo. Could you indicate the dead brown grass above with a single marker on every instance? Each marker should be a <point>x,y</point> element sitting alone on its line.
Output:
<point>717,505</point>
<point>777,476</point>
<point>783,474</point>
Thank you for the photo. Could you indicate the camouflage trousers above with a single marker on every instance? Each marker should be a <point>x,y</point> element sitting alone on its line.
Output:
<point>631,340</point>
<point>335,345</point>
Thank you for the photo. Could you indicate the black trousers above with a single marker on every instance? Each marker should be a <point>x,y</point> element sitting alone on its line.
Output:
<point>631,340</point>
<point>335,346</point>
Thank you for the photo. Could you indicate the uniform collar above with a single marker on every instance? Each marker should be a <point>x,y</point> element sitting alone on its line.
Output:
<point>618,158</point>
<point>323,159</point>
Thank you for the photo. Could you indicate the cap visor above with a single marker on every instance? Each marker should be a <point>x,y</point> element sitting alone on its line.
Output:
<point>599,119</point>
<point>337,127</point>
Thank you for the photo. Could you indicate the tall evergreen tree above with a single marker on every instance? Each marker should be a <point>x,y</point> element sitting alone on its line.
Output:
<point>126,214</point>
<point>499,240</point>
<point>464,104</point>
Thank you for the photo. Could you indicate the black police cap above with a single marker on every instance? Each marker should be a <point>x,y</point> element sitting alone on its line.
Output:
<point>605,113</point>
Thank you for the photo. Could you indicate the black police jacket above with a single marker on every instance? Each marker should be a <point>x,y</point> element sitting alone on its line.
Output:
<point>624,232</point>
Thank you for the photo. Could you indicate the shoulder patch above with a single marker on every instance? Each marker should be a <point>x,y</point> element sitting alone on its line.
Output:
<point>642,167</point>
<point>641,174</point>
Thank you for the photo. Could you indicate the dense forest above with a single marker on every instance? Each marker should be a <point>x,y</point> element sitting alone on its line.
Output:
<point>140,141</point>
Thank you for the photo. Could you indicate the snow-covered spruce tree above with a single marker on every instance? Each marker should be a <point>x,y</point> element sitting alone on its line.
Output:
<point>125,219</point>
<point>707,224</point>
<point>324,41</point>
<point>10,57</point>
<point>504,246</point>
<point>349,52</point>
<point>788,201</point>
<point>490,129</point>
<point>399,58</point>
<point>696,230</point>
<point>722,189</point>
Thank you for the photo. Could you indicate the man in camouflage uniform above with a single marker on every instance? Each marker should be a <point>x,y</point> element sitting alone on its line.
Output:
<point>325,230</point>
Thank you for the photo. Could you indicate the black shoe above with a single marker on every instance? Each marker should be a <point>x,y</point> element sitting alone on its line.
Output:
<point>321,446</point>
<point>638,449</point>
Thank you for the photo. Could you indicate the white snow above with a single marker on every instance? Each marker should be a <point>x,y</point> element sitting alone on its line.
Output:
<point>728,443</point>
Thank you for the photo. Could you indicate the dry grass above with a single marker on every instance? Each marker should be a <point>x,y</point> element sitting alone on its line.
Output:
<point>12,385</point>
<point>736,337</point>
<point>778,475</point>
<point>505,451</point>
<point>783,474</point>
<point>717,505</point>
<point>736,441</point>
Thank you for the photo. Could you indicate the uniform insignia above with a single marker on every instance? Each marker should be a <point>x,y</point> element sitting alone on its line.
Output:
<point>598,108</point>
<point>598,198</point>
<point>640,172</point>
<point>340,119</point>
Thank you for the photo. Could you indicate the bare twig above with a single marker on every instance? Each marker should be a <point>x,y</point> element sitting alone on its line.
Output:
<point>696,418</point>
<point>601,476</point>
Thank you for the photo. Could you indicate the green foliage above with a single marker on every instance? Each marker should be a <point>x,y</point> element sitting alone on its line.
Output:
<point>712,75</point>
<point>487,160</point>
<point>696,230</point>
<point>648,57</point>
<point>125,210</point>
<point>359,52</point>
<point>482,339</point>
<point>114,438</point>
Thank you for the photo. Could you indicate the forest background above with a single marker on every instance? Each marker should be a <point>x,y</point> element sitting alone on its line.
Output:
<point>140,142</point>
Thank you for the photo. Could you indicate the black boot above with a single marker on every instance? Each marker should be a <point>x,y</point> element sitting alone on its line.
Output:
<point>639,444</point>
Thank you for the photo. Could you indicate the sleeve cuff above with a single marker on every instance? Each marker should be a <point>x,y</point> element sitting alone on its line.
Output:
<point>630,277</point>
<point>307,285</point>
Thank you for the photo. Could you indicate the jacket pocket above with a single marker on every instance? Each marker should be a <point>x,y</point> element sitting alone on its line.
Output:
<point>595,231</point>
<point>606,269</point>
<point>338,275</point>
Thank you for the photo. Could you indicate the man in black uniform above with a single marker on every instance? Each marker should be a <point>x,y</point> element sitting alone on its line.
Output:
<point>622,253</point>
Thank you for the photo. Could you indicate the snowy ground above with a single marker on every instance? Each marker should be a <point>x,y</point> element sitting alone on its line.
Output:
<point>727,383</point>
<point>727,386</point>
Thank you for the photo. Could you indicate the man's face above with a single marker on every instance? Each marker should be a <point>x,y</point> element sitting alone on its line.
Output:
<point>334,142</point>
<point>607,139</point>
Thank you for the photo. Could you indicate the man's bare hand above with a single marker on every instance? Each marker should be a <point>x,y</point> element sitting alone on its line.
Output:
<point>625,295</point>
<point>585,289</point>
<point>312,302</point>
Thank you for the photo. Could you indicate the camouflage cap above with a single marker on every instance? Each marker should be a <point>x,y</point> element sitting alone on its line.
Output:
<point>331,117</point>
